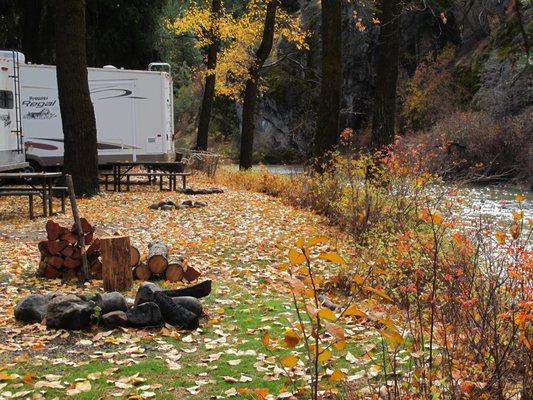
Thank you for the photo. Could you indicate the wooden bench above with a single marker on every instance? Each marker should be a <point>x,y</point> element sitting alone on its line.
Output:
<point>170,175</point>
<point>29,193</point>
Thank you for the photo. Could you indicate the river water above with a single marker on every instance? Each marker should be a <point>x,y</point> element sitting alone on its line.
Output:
<point>495,204</point>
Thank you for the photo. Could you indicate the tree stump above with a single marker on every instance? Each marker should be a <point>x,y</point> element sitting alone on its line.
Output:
<point>157,259</point>
<point>116,269</point>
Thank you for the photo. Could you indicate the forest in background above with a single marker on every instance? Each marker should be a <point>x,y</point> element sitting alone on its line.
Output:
<point>464,75</point>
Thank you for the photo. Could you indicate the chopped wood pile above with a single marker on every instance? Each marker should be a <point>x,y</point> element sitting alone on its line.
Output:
<point>61,252</point>
<point>160,266</point>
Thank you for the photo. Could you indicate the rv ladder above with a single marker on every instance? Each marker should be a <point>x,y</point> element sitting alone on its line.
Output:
<point>18,111</point>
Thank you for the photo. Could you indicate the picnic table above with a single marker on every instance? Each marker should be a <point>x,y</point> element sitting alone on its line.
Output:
<point>33,184</point>
<point>152,170</point>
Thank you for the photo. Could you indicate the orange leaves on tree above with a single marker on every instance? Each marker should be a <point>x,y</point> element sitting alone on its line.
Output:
<point>333,257</point>
<point>353,310</point>
<point>326,313</point>
<point>335,330</point>
<point>337,376</point>
<point>289,361</point>
<point>381,293</point>
<point>297,286</point>
<point>324,355</point>
<point>291,338</point>
<point>296,257</point>
<point>500,237</point>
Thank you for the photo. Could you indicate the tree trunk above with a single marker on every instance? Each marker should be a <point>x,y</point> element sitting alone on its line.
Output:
<point>386,73</point>
<point>116,273</point>
<point>328,131</point>
<point>251,91</point>
<point>77,112</point>
<point>210,80</point>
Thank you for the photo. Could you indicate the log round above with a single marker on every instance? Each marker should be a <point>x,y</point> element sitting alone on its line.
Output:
<point>142,272</point>
<point>157,257</point>
<point>174,273</point>
<point>135,256</point>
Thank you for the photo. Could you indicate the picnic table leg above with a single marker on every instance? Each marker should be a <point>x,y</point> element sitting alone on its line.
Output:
<point>106,182</point>
<point>161,182</point>
<point>114,178</point>
<point>184,181</point>
<point>45,199</point>
<point>63,201</point>
<point>50,199</point>
<point>128,183</point>
<point>30,200</point>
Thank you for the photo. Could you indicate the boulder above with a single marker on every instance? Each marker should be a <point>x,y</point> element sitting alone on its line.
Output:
<point>144,315</point>
<point>31,308</point>
<point>69,312</point>
<point>167,207</point>
<point>175,314</point>
<point>190,303</point>
<point>109,302</point>
<point>198,204</point>
<point>114,319</point>
<point>202,289</point>
<point>186,203</point>
<point>146,293</point>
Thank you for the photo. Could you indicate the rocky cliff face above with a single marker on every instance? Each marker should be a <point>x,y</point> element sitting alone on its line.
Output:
<point>490,55</point>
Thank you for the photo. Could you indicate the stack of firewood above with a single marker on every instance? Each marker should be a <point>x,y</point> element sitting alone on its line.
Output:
<point>61,252</point>
<point>159,266</point>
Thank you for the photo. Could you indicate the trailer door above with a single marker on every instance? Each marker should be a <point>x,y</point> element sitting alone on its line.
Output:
<point>114,109</point>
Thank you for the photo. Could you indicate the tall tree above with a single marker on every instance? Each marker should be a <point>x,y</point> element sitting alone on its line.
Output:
<point>252,86</point>
<point>328,131</point>
<point>77,112</point>
<point>210,79</point>
<point>386,73</point>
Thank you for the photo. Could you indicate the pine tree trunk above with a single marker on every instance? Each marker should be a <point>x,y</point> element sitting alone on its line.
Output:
<point>77,112</point>
<point>386,73</point>
<point>210,80</point>
<point>251,91</point>
<point>328,131</point>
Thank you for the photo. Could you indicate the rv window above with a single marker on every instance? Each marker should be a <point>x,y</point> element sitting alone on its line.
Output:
<point>6,99</point>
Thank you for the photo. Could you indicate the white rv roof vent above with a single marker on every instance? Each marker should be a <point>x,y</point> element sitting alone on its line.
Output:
<point>110,67</point>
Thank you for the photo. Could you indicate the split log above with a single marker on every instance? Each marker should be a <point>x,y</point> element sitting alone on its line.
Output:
<point>68,251</point>
<point>54,261</point>
<point>142,272</point>
<point>43,249</point>
<point>199,290</point>
<point>174,273</point>
<point>191,274</point>
<point>135,256</point>
<point>70,275</point>
<point>50,272</point>
<point>55,247</point>
<point>157,257</point>
<point>94,247</point>
<point>70,237</point>
<point>53,230</point>
<point>72,263</point>
<point>116,272</point>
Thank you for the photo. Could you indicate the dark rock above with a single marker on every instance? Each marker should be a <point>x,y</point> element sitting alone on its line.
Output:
<point>192,191</point>
<point>145,314</point>
<point>199,290</point>
<point>31,308</point>
<point>186,203</point>
<point>157,206</point>
<point>69,312</point>
<point>146,293</point>
<point>109,302</point>
<point>190,303</point>
<point>167,207</point>
<point>114,319</point>
<point>175,314</point>
<point>200,204</point>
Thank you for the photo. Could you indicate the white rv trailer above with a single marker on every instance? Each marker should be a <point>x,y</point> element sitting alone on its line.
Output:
<point>133,110</point>
<point>11,147</point>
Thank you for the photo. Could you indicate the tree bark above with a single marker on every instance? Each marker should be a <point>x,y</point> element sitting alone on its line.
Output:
<point>251,90</point>
<point>328,131</point>
<point>116,273</point>
<point>386,73</point>
<point>77,112</point>
<point>210,80</point>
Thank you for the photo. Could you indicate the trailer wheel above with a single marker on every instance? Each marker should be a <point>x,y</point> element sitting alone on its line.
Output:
<point>34,166</point>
